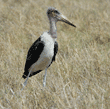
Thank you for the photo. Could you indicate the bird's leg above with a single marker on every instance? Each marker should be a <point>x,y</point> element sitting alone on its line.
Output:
<point>24,84</point>
<point>27,78</point>
<point>44,81</point>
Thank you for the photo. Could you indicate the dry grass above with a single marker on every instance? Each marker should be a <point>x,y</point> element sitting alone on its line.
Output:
<point>80,77</point>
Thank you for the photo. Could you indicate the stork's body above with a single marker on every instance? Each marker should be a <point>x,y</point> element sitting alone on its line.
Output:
<point>41,54</point>
<point>43,51</point>
<point>44,56</point>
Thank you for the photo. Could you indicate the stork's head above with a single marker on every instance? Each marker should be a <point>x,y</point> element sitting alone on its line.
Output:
<point>54,13</point>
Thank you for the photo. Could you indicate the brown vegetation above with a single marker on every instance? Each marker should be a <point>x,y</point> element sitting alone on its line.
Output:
<point>80,77</point>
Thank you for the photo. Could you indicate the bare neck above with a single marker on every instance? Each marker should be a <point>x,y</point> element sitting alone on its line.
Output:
<point>53,29</point>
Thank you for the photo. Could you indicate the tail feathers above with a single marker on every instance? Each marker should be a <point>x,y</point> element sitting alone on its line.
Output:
<point>24,76</point>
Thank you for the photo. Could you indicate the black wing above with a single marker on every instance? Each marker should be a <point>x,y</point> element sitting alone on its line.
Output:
<point>33,55</point>
<point>55,52</point>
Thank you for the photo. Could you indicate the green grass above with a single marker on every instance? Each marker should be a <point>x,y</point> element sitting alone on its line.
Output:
<point>80,76</point>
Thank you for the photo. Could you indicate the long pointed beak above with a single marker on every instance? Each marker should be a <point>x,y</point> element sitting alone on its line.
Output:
<point>64,19</point>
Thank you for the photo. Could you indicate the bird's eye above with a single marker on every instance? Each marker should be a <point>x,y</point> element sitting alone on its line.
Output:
<point>49,12</point>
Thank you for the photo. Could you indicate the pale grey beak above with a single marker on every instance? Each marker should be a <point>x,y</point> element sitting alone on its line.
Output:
<point>64,19</point>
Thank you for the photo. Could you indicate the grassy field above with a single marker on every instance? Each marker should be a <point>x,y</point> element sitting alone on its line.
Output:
<point>80,76</point>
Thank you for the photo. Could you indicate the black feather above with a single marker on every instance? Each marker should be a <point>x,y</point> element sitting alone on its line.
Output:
<point>33,55</point>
